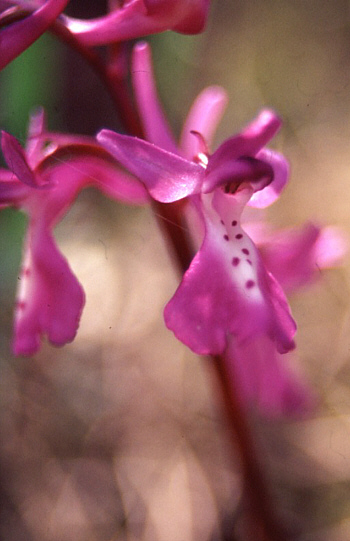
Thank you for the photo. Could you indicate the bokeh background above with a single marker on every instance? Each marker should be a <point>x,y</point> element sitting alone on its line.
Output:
<point>121,434</point>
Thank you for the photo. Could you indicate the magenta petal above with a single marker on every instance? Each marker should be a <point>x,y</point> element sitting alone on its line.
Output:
<point>17,37</point>
<point>265,379</point>
<point>280,167</point>
<point>157,130</point>
<point>17,161</point>
<point>167,177</point>
<point>50,299</point>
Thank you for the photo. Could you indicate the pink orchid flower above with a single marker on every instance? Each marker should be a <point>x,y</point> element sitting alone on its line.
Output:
<point>228,302</point>
<point>18,36</point>
<point>43,181</point>
<point>227,289</point>
<point>138,18</point>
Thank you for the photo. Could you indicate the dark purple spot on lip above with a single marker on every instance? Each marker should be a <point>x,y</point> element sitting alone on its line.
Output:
<point>248,261</point>
<point>249,284</point>
<point>234,223</point>
<point>239,236</point>
<point>222,222</point>
<point>226,237</point>
<point>245,251</point>
<point>235,261</point>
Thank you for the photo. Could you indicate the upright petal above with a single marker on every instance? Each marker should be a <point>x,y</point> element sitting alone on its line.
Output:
<point>168,177</point>
<point>18,36</point>
<point>50,299</point>
<point>155,125</point>
<point>203,118</point>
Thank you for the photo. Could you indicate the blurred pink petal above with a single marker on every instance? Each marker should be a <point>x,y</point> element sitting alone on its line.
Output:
<point>137,18</point>
<point>295,257</point>
<point>265,379</point>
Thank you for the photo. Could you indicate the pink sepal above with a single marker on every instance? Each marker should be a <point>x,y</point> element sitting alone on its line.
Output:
<point>18,36</point>
<point>167,176</point>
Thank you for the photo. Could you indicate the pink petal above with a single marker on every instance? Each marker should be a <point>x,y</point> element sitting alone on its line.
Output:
<point>50,299</point>
<point>204,116</point>
<point>266,380</point>
<point>155,125</point>
<point>227,290</point>
<point>17,161</point>
<point>168,177</point>
<point>18,36</point>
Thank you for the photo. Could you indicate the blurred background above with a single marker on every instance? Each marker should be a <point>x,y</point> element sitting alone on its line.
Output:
<point>121,434</point>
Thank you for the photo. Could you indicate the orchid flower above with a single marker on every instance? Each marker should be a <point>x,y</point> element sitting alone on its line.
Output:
<point>227,290</point>
<point>19,35</point>
<point>138,18</point>
<point>43,181</point>
<point>227,302</point>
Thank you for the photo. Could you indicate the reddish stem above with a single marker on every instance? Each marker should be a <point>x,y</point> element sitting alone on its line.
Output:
<point>264,525</point>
